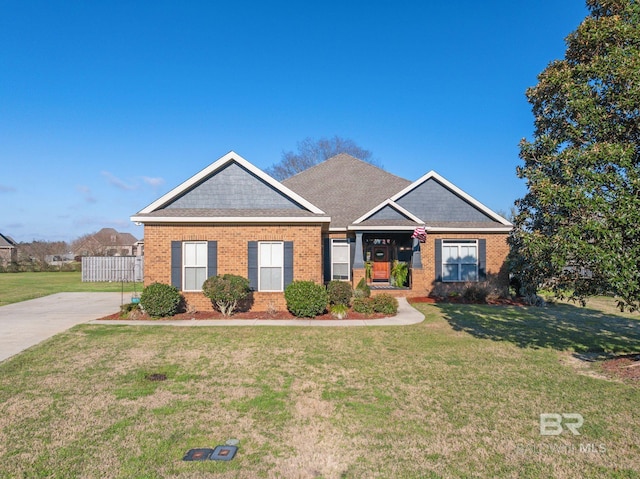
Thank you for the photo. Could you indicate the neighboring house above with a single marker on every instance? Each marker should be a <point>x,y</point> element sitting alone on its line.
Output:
<point>8,249</point>
<point>59,259</point>
<point>106,242</point>
<point>324,223</point>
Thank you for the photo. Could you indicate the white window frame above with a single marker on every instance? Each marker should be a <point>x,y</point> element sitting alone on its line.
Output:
<point>344,243</point>
<point>267,262</point>
<point>201,263</point>
<point>460,244</point>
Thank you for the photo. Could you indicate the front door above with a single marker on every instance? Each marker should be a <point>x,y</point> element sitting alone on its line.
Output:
<point>381,263</point>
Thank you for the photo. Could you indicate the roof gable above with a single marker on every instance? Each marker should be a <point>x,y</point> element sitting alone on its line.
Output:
<point>389,210</point>
<point>233,186</point>
<point>438,202</point>
<point>7,241</point>
<point>230,183</point>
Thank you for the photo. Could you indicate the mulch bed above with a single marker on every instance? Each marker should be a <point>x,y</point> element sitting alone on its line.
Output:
<point>623,367</point>
<point>202,315</point>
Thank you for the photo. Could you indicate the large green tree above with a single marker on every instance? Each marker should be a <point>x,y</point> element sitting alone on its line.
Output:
<point>577,230</point>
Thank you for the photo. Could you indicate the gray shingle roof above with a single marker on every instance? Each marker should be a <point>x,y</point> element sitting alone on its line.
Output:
<point>6,241</point>
<point>345,187</point>
<point>229,213</point>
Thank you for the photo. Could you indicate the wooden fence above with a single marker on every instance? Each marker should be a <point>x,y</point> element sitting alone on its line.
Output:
<point>112,268</point>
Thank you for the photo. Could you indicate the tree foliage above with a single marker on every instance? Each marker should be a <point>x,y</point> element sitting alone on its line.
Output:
<point>576,230</point>
<point>311,152</point>
<point>226,291</point>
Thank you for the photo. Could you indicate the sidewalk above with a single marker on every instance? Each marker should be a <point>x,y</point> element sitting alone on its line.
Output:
<point>406,315</point>
<point>27,323</point>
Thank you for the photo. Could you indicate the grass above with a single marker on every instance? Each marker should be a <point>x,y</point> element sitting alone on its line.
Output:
<point>459,395</point>
<point>16,287</point>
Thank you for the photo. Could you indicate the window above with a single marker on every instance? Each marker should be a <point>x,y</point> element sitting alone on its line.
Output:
<point>460,260</point>
<point>340,254</point>
<point>194,265</point>
<point>270,266</point>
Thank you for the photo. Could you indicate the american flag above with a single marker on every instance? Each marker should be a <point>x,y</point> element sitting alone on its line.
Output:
<point>420,233</point>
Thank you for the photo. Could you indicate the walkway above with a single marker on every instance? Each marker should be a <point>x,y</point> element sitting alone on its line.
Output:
<point>28,323</point>
<point>406,315</point>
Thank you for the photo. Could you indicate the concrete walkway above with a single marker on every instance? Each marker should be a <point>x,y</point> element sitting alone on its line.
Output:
<point>28,323</point>
<point>406,315</point>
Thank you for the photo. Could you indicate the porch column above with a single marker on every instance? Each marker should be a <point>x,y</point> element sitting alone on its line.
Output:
<point>358,260</point>
<point>416,257</point>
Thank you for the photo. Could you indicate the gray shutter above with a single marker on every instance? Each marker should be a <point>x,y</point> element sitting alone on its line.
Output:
<point>288,263</point>
<point>352,255</point>
<point>438,260</point>
<point>176,264</point>
<point>212,258</point>
<point>252,272</point>
<point>326,259</point>
<point>482,260</point>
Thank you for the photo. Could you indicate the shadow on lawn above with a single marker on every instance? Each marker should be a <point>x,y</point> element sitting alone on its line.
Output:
<point>563,327</point>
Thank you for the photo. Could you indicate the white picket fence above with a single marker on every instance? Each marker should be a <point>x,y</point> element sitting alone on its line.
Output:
<point>112,268</point>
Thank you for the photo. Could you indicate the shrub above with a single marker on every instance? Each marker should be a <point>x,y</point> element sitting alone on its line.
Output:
<point>226,291</point>
<point>306,299</point>
<point>128,310</point>
<point>534,300</point>
<point>339,292</point>
<point>363,290</point>
<point>384,303</point>
<point>339,311</point>
<point>400,272</point>
<point>363,305</point>
<point>159,300</point>
<point>475,293</point>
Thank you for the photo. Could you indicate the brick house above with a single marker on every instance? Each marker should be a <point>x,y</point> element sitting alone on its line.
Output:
<point>8,249</point>
<point>341,219</point>
<point>106,242</point>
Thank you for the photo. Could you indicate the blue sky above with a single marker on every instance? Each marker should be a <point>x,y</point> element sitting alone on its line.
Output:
<point>105,106</point>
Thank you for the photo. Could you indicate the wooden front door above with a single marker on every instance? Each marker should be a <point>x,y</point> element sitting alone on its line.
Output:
<point>381,263</point>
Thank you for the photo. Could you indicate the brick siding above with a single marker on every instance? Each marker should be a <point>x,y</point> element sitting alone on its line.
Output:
<point>423,281</point>
<point>232,258</point>
<point>497,250</point>
<point>308,265</point>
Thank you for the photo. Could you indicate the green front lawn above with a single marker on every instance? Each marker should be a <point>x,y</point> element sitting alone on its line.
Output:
<point>15,287</point>
<point>459,395</point>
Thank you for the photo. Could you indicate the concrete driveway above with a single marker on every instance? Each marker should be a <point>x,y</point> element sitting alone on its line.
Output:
<point>26,324</point>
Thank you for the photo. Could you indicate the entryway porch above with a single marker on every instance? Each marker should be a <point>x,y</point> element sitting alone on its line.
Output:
<point>386,259</point>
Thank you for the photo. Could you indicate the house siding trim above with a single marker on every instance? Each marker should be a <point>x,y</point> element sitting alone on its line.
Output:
<point>168,220</point>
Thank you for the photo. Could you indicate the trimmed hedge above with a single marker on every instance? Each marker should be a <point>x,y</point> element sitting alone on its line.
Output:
<point>384,303</point>
<point>306,299</point>
<point>362,305</point>
<point>339,292</point>
<point>159,300</point>
<point>226,291</point>
<point>381,303</point>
